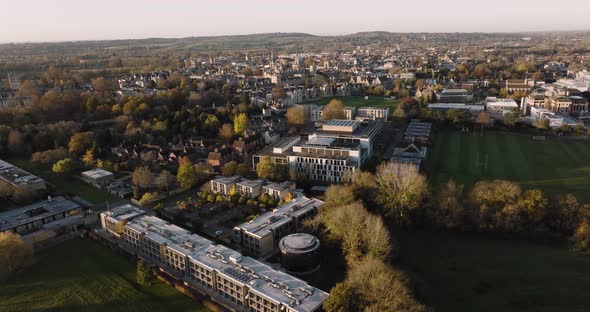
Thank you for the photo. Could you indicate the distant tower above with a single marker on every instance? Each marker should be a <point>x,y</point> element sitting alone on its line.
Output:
<point>247,56</point>
<point>272,58</point>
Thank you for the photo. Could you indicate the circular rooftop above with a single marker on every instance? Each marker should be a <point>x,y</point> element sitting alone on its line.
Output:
<point>299,242</point>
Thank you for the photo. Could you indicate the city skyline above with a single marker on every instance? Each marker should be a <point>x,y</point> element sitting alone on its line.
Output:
<point>128,20</point>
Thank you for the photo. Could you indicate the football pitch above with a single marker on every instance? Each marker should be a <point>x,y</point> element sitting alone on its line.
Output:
<point>556,166</point>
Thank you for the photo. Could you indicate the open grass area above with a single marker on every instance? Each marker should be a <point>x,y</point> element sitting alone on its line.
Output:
<point>557,166</point>
<point>467,272</point>
<point>64,183</point>
<point>359,101</point>
<point>81,275</point>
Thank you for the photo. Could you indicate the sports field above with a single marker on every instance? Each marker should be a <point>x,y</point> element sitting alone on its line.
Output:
<point>557,166</point>
<point>359,101</point>
<point>474,272</point>
<point>81,275</point>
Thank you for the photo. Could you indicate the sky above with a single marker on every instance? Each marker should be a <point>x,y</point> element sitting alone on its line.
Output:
<point>69,20</point>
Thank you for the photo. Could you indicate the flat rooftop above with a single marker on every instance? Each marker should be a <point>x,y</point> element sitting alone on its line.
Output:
<point>123,213</point>
<point>162,232</point>
<point>263,223</point>
<point>97,173</point>
<point>17,176</point>
<point>251,183</point>
<point>37,211</point>
<point>261,278</point>
<point>227,180</point>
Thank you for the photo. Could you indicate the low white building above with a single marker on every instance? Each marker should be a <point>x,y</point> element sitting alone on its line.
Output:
<point>500,107</point>
<point>98,177</point>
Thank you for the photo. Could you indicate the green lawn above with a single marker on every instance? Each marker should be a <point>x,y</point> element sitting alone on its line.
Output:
<point>359,101</point>
<point>468,272</point>
<point>81,275</point>
<point>64,184</point>
<point>556,166</point>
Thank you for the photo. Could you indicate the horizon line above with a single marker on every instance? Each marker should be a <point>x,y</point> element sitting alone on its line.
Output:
<point>296,32</point>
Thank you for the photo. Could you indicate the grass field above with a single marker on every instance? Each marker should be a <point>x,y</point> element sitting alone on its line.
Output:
<point>459,272</point>
<point>359,101</point>
<point>81,275</point>
<point>64,183</point>
<point>556,166</point>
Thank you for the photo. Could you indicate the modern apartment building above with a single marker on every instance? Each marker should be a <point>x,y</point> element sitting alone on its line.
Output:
<point>240,283</point>
<point>223,185</point>
<point>373,113</point>
<point>279,191</point>
<point>330,154</point>
<point>114,220</point>
<point>260,237</point>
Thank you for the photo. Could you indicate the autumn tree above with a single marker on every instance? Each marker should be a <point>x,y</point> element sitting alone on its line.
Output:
<point>448,210</point>
<point>580,241</point>
<point>164,180</point>
<point>240,124</point>
<point>142,177</point>
<point>484,119</point>
<point>16,143</point>
<point>296,116</point>
<point>400,189</point>
<point>14,253</point>
<point>334,110</point>
<point>265,169</point>
<point>542,123</point>
<point>62,166</point>
<point>80,142</point>
<point>187,176</point>
<point>226,132</point>
<point>278,93</point>
<point>144,274</point>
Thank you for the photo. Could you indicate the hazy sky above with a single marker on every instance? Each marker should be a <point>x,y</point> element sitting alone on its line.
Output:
<point>61,20</point>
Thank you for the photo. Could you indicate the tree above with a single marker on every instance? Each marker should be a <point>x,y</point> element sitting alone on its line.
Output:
<point>49,156</point>
<point>448,210</point>
<point>187,175</point>
<point>211,123</point>
<point>148,198</point>
<point>382,288</point>
<point>164,179</point>
<point>230,168</point>
<point>14,253</point>
<point>296,116</point>
<point>580,241</point>
<point>16,144</point>
<point>334,110</point>
<point>80,142</point>
<point>240,123</point>
<point>400,189</point>
<point>226,132</point>
<point>455,115</point>
<point>265,169</point>
<point>144,274</point>
<point>62,166</point>
<point>278,93</point>
<point>491,199</point>
<point>484,119</point>
<point>512,117</point>
<point>542,123</point>
<point>343,298</point>
<point>142,177</point>
<point>400,113</point>
<point>88,158</point>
